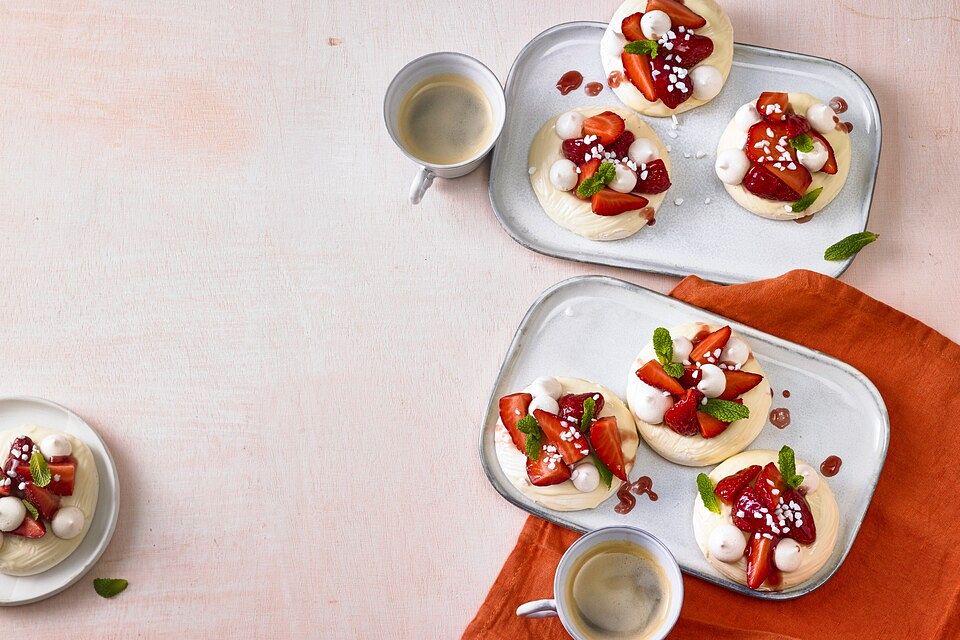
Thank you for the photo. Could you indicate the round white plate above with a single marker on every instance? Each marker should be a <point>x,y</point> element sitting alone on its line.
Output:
<point>18,411</point>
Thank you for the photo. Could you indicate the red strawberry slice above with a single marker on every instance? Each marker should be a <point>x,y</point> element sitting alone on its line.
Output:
<point>710,427</point>
<point>62,477</point>
<point>708,349</point>
<point>773,105</point>
<point>652,177</point>
<point>770,486</point>
<point>688,53</point>
<point>759,560</point>
<point>671,81</point>
<point>6,489</point>
<point>689,378</point>
<point>654,375</point>
<point>30,528</point>
<point>640,73</point>
<point>830,166</point>
<point>630,27</point>
<point>764,184</point>
<point>682,416</point>
<point>565,436</point>
<point>728,489</point>
<point>621,145</point>
<point>763,140</point>
<point>586,170</point>
<point>607,126</point>
<point>513,408</point>
<point>571,406</point>
<point>575,150</point>
<point>793,174</point>
<point>738,383</point>
<point>45,502</point>
<point>750,513</point>
<point>796,125</point>
<point>605,438</point>
<point>802,527</point>
<point>680,16</point>
<point>608,202</point>
<point>548,469</point>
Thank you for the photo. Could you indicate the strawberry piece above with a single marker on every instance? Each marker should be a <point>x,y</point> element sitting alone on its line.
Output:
<point>513,408</point>
<point>764,184</point>
<point>750,513</point>
<point>62,477</point>
<point>18,446</point>
<point>763,140</point>
<point>652,177</point>
<point>571,406</point>
<point>565,436</point>
<point>708,349</point>
<point>738,383</point>
<point>806,531</point>
<point>830,166</point>
<point>637,68</point>
<point>605,438</point>
<point>586,170</point>
<point>671,82</point>
<point>688,53</point>
<point>689,378</point>
<point>45,502</point>
<point>576,150</point>
<point>607,126</point>
<point>710,427</point>
<point>759,560</point>
<point>773,106</point>
<point>680,16</point>
<point>608,202</point>
<point>682,416</point>
<point>30,528</point>
<point>654,375</point>
<point>630,27</point>
<point>796,125</point>
<point>797,178</point>
<point>6,489</point>
<point>728,489</point>
<point>770,486</point>
<point>621,145</point>
<point>548,469</point>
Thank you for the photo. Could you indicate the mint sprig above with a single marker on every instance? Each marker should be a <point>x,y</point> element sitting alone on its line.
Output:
<point>529,426</point>
<point>787,463</point>
<point>802,142</point>
<point>725,410</point>
<point>705,487</point>
<point>603,176</point>
<point>642,47</point>
<point>806,200</point>
<point>605,474</point>
<point>663,347</point>
<point>109,587</point>
<point>589,408</point>
<point>32,509</point>
<point>849,246</point>
<point>39,471</point>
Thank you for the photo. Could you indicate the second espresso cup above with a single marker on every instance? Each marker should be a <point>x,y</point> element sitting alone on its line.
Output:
<point>562,606</point>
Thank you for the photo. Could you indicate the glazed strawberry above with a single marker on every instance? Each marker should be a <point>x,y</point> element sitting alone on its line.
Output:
<point>586,170</point>
<point>630,27</point>
<point>773,105</point>
<point>759,560</point>
<point>62,477</point>
<point>795,510</point>
<point>792,174</point>
<point>738,383</point>
<point>608,202</point>
<point>751,514</point>
<point>605,439</point>
<point>652,177</point>
<point>45,502</point>
<point>548,469</point>
<point>621,145</point>
<point>30,528</point>
<point>23,446</point>
<point>576,150</point>
<point>796,125</point>
<point>6,489</point>
<point>513,408</point>
<point>690,377</point>
<point>708,350</point>
<point>830,166</point>
<point>692,51</point>
<point>671,82</point>
<point>565,436</point>
<point>654,375</point>
<point>637,68</point>
<point>607,126</point>
<point>728,489</point>
<point>680,15</point>
<point>710,427</point>
<point>770,486</point>
<point>571,405</point>
<point>682,416</point>
<point>769,142</point>
<point>764,184</point>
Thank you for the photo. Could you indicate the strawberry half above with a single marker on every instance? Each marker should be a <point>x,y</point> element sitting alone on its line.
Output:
<point>654,375</point>
<point>587,169</point>
<point>680,15</point>
<point>565,436</point>
<point>621,146</point>
<point>45,502</point>
<point>548,469</point>
<point>728,489</point>
<point>769,142</point>
<point>514,408</point>
<point>750,513</point>
<point>30,528</point>
<point>793,174</point>
<point>764,184</point>
<point>708,349</point>
<point>608,202</point>
<point>770,486</point>
<point>571,405</point>
<point>773,105</point>
<point>830,166</point>
<point>738,383</point>
<point>759,560</point>
<point>605,438</point>
<point>630,27</point>
<point>802,527</point>
<point>710,427</point>
<point>671,82</point>
<point>607,126</point>
<point>688,53</point>
<point>682,416</point>
<point>652,177</point>
<point>637,68</point>
<point>796,124</point>
<point>576,150</point>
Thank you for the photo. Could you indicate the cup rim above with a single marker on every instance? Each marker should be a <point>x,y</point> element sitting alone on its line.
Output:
<point>493,139</point>
<point>586,540</point>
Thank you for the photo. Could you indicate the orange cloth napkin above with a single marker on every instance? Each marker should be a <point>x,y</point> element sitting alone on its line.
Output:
<point>902,577</point>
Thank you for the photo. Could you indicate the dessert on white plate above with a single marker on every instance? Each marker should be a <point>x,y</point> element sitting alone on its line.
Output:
<point>698,394</point>
<point>49,493</point>
<point>766,520</point>
<point>599,172</point>
<point>565,443</point>
<point>664,57</point>
<point>785,156</point>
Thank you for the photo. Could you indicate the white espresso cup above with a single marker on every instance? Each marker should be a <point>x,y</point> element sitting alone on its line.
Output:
<point>436,64</point>
<point>560,605</point>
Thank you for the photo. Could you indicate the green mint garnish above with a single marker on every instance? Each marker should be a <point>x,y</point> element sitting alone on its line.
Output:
<point>802,142</point>
<point>605,474</point>
<point>788,467</point>
<point>603,176</point>
<point>32,509</point>
<point>705,487</point>
<point>109,587</point>
<point>674,369</point>
<point>530,426</point>
<point>725,410</point>
<point>663,347</point>
<point>39,470</point>
<point>589,407</point>
<point>849,246</point>
<point>642,47</point>
<point>808,199</point>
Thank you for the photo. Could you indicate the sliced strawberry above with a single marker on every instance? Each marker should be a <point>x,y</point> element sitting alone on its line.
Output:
<point>796,124</point>
<point>654,375</point>
<point>630,27</point>
<point>770,486</point>
<point>30,528</point>
<point>637,68</point>
<point>607,126</point>
<point>671,82</point>
<point>769,142</point>
<point>652,177</point>
<point>802,527</point>
<point>513,408</point>
<point>571,405</point>
<point>830,166</point>
<point>773,106</point>
<point>45,502</point>
<point>62,477</point>
<point>690,377</point>
<point>605,439</point>
<point>710,427</point>
<point>576,150</point>
<point>793,174</point>
<point>682,416</point>
<point>6,489</point>
<point>565,436</point>
<point>621,145</point>
<point>586,170</point>
<point>688,53</point>
<point>680,16</point>
<point>764,184</point>
<point>548,469</point>
<point>708,349</point>
<point>608,202</point>
<point>759,560</point>
<point>728,489</point>
<point>738,383</point>
<point>750,513</point>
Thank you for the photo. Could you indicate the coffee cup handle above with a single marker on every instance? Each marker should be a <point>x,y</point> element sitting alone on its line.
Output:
<point>538,609</point>
<point>421,182</point>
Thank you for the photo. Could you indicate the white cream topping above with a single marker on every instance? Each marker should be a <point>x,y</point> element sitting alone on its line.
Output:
<point>682,346</point>
<point>563,174</point>
<point>545,386</point>
<point>811,479</point>
<point>55,445</point>
<point>624,180</point>
<point>822,117</point>
<point>746,116</point>
<point>585,477</point>
<point>654,24</point>
<point>643,150</point>
<point>569,125</point>
<point>731,166</point>
<point>707,82</point>
<point>736,351</point>
<point>727,543</point>
<point>815,159</point>
<point>786,555</point>
<point>712,381</point>
<point>12,513</point>
<point>67,523</point>
<point>648,403</point>
<point>544,403</point>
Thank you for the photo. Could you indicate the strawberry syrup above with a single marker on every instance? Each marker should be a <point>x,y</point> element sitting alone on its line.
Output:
<point>786,393</point>
<point>569,81</point>
<point>593,88</point>
<point>804,219</point>
<point>643,485</point>
<point>780,418</point>
<point>838,104</point>
<point>615,79</point>
<point>831,466</point>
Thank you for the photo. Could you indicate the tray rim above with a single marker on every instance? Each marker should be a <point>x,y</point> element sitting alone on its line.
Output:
<point>593,258</point>
<point>559,517</point>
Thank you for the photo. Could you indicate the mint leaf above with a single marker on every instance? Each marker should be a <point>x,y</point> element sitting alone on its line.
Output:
<point>802,142</point>
<point>642,47</point>
<point>605,474</point>
<point>663,345</point>
<point>32,509</point>
<point>603,176</point>
<point>674,369</point>
<point>530,426</point>
<point>589,407</point>
<point>705,487</point>
<point>109,587</point>
<point>725,410</point>
<point>808,199</point>
<point>849,246</point>
<point>39,470</point>
<point>788,467</point>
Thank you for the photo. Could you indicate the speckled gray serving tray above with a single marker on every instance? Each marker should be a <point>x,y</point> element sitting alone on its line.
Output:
<point>720,241</point>
<point>593,326</point>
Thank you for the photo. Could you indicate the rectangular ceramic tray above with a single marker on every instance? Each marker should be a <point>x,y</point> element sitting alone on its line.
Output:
<point>685,238</point>
<point>835,410</point>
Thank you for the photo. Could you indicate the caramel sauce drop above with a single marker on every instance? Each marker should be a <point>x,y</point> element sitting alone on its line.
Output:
<point>593,88</point>
<point>780,418</point>
<point>831,466</point>
<point>569,81</point>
